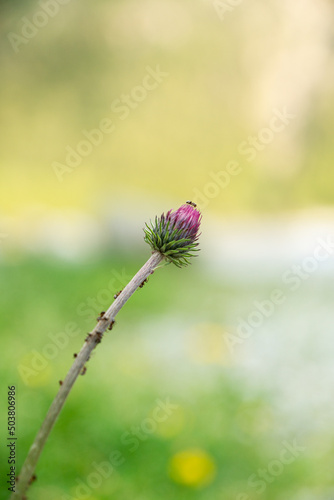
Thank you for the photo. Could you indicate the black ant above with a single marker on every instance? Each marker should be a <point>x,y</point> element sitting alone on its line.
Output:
<point>98,337</point>
<point>143,283</point>
<point>191,203</point>
<point>102,313</point>
<point>111,324</point>
<point>83,371</point>
<point>118,294</point>
<point>60,382</point>
<point>32,479</point>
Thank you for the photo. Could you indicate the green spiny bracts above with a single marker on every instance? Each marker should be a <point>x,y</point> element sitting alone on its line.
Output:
<point>175,234</point>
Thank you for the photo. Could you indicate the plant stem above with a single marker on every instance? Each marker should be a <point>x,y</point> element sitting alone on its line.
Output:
<point>94,338</point>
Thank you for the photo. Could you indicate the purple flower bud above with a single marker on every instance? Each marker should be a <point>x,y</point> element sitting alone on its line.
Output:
<point>186,218</point>
<point>175,234</point>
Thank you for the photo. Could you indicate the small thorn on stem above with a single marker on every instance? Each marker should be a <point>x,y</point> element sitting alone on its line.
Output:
<point>75,355</point>
<point>33,478</point>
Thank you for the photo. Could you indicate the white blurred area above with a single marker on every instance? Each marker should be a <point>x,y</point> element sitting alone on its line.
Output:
<point>259,247</point>
<point>232,247</point>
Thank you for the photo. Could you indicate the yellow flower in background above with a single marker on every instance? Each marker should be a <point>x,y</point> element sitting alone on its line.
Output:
<point>192,467</point>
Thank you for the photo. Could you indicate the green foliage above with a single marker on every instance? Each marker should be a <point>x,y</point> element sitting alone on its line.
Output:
<point>135,367</point>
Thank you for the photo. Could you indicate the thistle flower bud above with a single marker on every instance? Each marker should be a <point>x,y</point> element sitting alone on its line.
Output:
<point>175,234</point>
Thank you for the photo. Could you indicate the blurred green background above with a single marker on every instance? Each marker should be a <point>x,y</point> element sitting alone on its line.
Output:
<point>113,112</point>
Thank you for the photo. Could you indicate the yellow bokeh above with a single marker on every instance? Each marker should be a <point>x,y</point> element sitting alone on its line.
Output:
<point>192,467</point>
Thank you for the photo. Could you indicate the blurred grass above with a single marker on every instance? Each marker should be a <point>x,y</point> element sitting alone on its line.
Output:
<point>236,430</point>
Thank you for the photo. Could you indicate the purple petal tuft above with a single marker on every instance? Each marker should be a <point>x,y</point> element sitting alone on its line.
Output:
<point>186,218</point>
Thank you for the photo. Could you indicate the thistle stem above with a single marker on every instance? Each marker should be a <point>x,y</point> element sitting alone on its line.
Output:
<point>94,338</point>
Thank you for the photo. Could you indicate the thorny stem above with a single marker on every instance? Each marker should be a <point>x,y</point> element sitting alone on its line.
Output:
<point>94,338</point>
